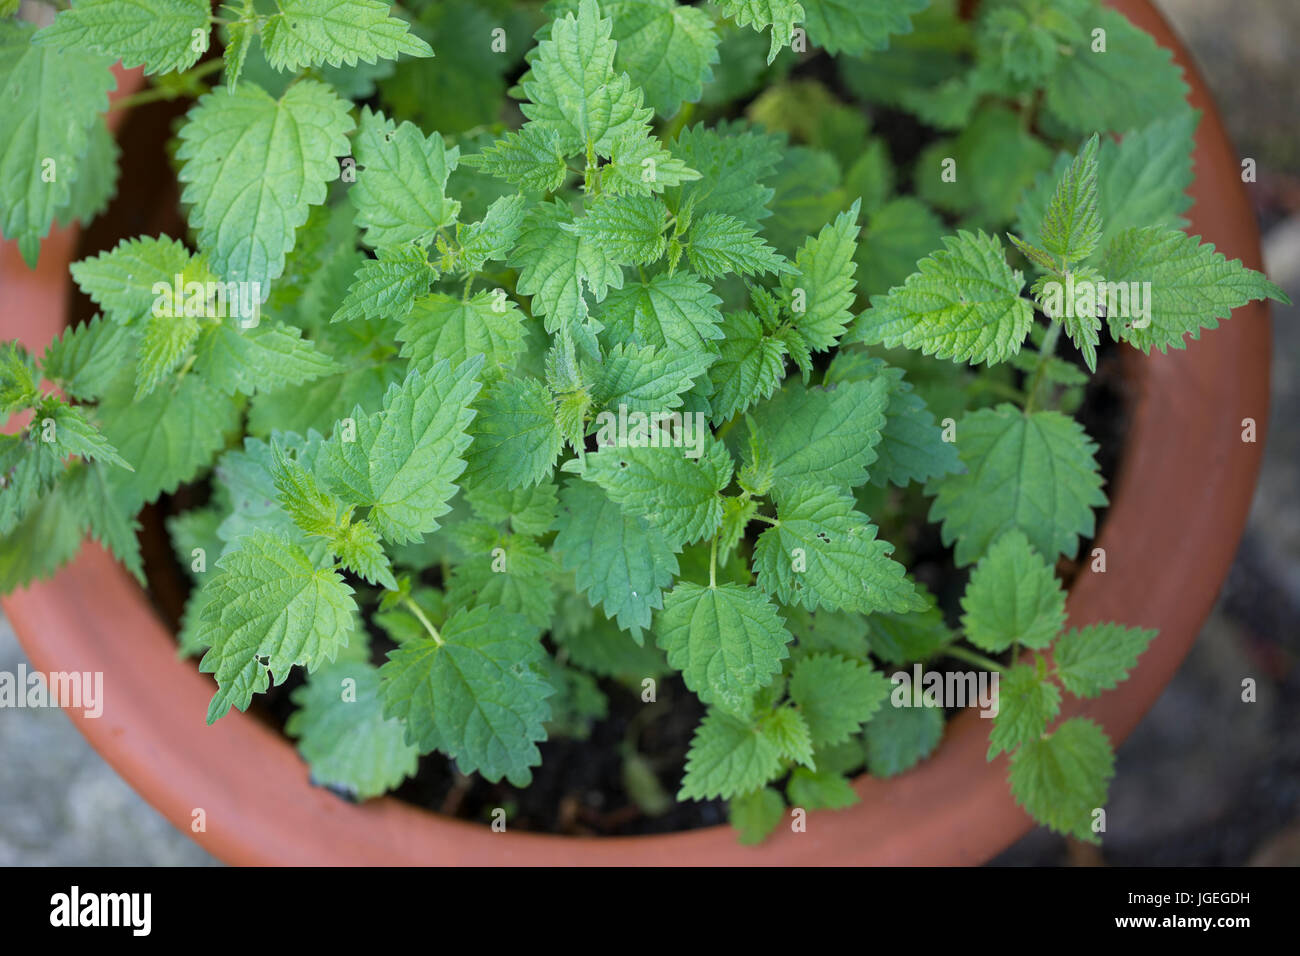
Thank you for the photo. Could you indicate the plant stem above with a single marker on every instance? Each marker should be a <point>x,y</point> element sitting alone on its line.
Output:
<point>971,657</point>
<point>761,517</point>
<point>1044,353</point>
<point>713,563</point>
<point>173,90</point>
<point>428,625</point>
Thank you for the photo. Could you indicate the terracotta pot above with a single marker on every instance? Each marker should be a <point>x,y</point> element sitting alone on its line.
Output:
<point>1178,508</point>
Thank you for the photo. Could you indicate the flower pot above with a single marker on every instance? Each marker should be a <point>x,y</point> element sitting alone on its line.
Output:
<point>1178,506</point>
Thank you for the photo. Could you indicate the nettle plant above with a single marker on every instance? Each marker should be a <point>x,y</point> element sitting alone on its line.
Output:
<point>556,405</point>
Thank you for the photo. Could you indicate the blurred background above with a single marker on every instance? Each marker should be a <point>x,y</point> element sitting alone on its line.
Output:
<point>1204,780</point>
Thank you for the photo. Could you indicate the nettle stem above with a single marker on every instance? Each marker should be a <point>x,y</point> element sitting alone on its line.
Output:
<point>1044,353</point>
<point>178,86</point>
<point>971,657</point>
<point>713,563</point>
<point>419,615</point>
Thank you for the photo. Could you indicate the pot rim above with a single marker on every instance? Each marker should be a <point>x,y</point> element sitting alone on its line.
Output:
<point>1185,483</point>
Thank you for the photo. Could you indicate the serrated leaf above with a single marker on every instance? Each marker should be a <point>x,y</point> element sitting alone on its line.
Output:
<point>787,728</point>
<point>1013,597</point>
<point>1033,472</point>
<point>1092,659</point>
<point>266,357</point>
<point>106,516</point>
<point>822,552</point>
<point>268,609</point>
<point>492,237</point>
<point>718,245</point>
<point>728,641</point>
<point>448,327</point>
<point>513,575</point>
<point>343,734</point>
<point>121,280</point>
<point>252,166</point>
<point>473,693</point>
<point>530,511</point>
<point>749,367</point>
<point>826,435</point>
<point>629,229</point>
<point>1062,778</point>
<point>1026,704</point>
<point>160,34</point>
<point>963,303</point>
<point>387,285</point>
<point>86,358</point>
<point>898,738</point>
<point>1072,223</point>
<point>96,178</point>
<point>48,535</point>
<point>572,87</point>
<point>643,379</point>
<point>640,166</point>
<point>820,790</point>
<point>530,158</point>
<point>618,560</point>
<point>49,103</point>
<point>400,192</point>
<point>1184,286</point>
<point>756,814</point>
<point>677,494</point>
<point>836,696</point>
<point>516,438</point>
<point>405,459</point>
<point>854,26</point>
<point>305,33</point>
<point>728,757</point>
<point>676,312</point>
<point>780,15</point>
<point>823,279</point>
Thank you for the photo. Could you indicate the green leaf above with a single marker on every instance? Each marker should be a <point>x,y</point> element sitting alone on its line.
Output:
<point>47,536</point>
<point>530,158</point>
<point>1013,596</point>
<point>168,436</point>
<point>1123,87</point>
<point>898,738</point>
<point>780,15</point>
<point>572,87</point>
<point>166,342</point>
<point>963,303</point>
<point>734,162</point>
<point>267,609</point>
<point>96,178</point>
<point>108,518</point>
<point>756,814</point>
<point>1184,286</point>
<point>749,368</point>
<point>556,265</point>
<point>161,34</point>
<point>49,104</point>
<point>513,574</point>
<point>825,271</point>
<point>852,26</point>
<point>911,445</point>
<point>677,312</point>
<point>1062,778</point>
<point>728,757</point>
<point>827,433</point>
<point>836,696</point>
<point>820,790</point>
<point>1071,226</point>
<point>718,245</point>
<point>640,166</point>
<point>263,358</point>
<point>473,693</point>
<point>444,327</point>
<point>86,358</point>
<point>644,379</point>
<point>728,641</point>
<point>74,435</point>
<point>1026,703</point>
<point>400,192</point>
<point>1033,472</point>
<point>516,439</point>
<point>343,734</point>
<point>530,511</point>
<point>405,459</point>
<point>492,237</point>
<point>822,552</point>
<point>121,280</point>
<point>618,560</point>
<point>788,729</point>
<point>678,495</point>
<point>311,32</point>
<point>387,285</point>
<point>252,166</point>
<point>1092,659</point>
<point>600,647</point>
<point>629,229</point>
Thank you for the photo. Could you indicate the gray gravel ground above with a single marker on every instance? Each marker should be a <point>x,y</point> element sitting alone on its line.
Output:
<point>1204,779</point>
